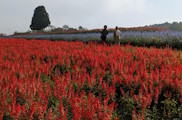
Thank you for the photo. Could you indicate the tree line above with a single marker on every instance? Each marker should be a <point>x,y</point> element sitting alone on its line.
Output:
<point>175,26</point>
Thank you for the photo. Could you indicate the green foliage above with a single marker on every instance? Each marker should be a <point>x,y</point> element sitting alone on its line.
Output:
<point>155,42</point>
<point>61,69</point>
<point>169,26</point>
<point>125,107</point>
<point>40,19</point>
<point>7,117</point>
<point>153,113</point>
<point>67,105</point>
<point>65,27</point>
<point>169,110</point>
<point>53,102</point>
<point>108,77</point>
<point>20,100</point>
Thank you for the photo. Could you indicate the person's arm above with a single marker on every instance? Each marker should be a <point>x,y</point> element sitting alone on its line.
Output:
<point>101,31</point>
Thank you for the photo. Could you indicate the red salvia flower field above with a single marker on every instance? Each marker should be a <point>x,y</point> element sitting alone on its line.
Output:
<point>73,80</point>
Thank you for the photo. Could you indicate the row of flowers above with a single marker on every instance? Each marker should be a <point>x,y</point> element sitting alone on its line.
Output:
<point>74,80</point>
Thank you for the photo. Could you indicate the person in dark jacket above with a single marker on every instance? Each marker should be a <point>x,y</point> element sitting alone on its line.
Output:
<point>104,34</point>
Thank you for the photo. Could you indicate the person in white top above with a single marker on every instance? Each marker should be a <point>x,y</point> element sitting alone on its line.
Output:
<point>117,36</point>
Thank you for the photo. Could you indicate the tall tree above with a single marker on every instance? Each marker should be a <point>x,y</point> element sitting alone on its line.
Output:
<point>40,19</point>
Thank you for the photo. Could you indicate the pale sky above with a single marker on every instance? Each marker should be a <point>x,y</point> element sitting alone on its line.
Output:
<point>16,15</point>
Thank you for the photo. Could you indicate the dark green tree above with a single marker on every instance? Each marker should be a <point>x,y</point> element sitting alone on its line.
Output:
<point>80,28</point>
<point>40,19</point>
<point>65,27</point>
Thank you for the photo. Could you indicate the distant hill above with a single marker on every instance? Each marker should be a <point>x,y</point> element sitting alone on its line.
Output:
<point>175,26</point>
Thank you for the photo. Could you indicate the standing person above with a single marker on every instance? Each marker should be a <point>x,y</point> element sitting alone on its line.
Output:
<point>117,36</point>
<point>104,34</point>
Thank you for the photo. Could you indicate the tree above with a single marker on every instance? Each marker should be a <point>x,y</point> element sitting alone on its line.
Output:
<point>2,34</point>
<point>57,30</point>
<point>40,19</point>
<point>50,28</point>
<point>72,29</point>
<point>65,27</point>
<point>80,28</point>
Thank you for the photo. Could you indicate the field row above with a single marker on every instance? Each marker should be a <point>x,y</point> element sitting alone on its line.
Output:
<point>73,80</point>
<point>136,38</point>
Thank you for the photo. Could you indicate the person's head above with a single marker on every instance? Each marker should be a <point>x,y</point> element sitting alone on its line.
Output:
<point>105,26</point>
<point>116,28</point>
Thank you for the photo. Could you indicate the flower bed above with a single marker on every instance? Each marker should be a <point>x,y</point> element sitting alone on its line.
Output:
<point>74,80</point>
